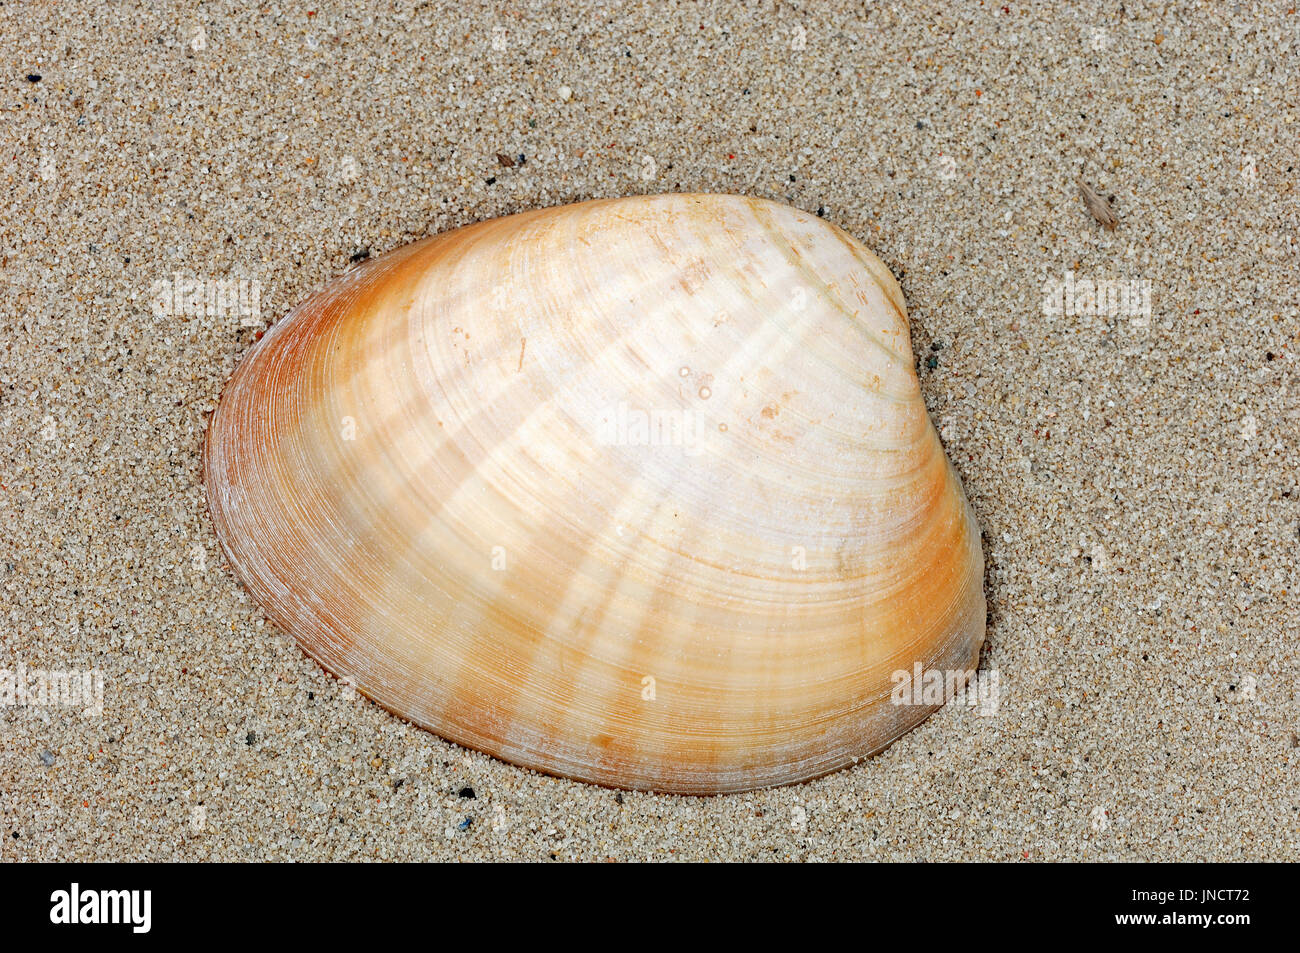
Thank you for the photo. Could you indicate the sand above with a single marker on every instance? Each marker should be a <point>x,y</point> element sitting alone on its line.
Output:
<point>1135,474</point>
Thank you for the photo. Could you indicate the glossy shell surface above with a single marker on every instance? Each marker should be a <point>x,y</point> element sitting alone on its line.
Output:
<point>640,491</point>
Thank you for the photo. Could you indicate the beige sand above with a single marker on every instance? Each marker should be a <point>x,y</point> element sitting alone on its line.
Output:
<point>1135,474</point>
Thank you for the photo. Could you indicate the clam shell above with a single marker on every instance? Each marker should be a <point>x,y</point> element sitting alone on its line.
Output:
<point>638,491</point>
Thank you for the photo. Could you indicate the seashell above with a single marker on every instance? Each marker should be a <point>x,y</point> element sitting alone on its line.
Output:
<point>637,491</point>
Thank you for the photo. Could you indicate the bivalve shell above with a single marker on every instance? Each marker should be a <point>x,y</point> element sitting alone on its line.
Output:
<point>637,491</point>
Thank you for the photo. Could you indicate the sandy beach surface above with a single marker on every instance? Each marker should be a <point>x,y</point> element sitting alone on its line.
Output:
<point>1134,470</point>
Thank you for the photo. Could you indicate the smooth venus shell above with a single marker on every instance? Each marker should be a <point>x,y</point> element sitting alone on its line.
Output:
<point>637,491</point>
